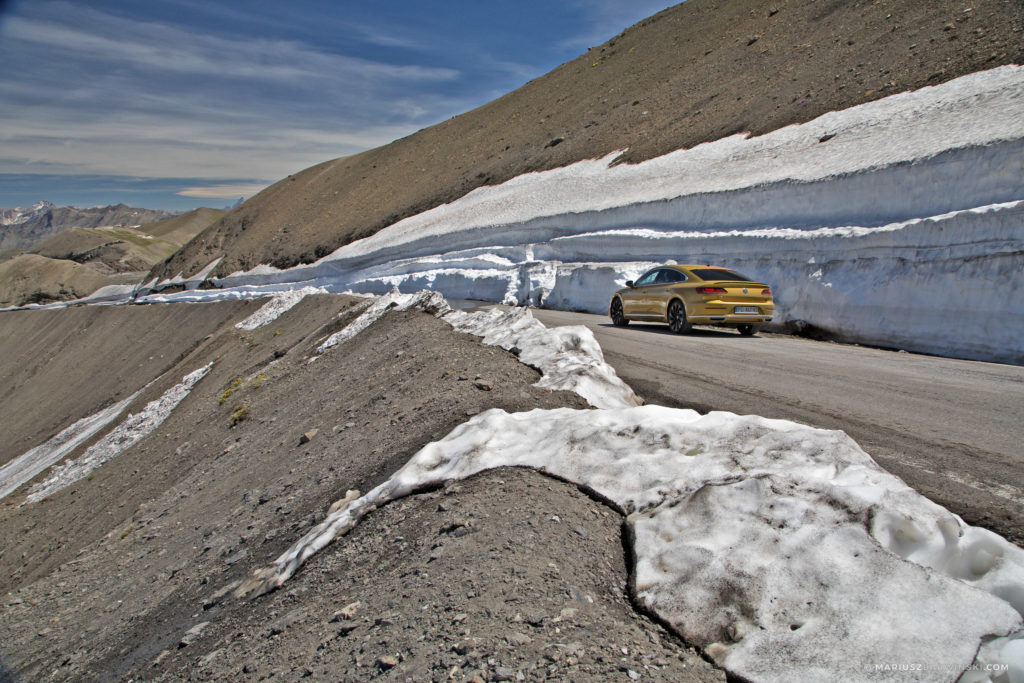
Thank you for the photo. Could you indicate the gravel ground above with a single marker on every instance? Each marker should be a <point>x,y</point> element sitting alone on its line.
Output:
<point>511,575</point>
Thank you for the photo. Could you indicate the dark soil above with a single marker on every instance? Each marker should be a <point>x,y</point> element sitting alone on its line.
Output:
<point>509,572</point>
<point>691,74</point>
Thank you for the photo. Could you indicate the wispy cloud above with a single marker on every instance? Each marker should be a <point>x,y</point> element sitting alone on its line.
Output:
<point>166,48</point>
<point>228,191</point>
<point>234,92</point>
<point>392,36</point>
<point>89,92</point>
<point>148,146</point>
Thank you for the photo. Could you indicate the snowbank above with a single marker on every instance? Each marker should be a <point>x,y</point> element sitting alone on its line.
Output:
<point>431,302</point>
<point>569,358</point>
<point>898,223</point>
<point>783,551</point>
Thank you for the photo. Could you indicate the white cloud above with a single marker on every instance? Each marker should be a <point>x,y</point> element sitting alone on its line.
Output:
<point>228,191</point>
<point>87,91</point>
<point>167,147</point>
<point>392,37</point>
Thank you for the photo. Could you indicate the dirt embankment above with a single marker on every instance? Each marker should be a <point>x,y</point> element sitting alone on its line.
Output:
<point>691,74</point>
<point>60,366</point>
<point>126,574</point>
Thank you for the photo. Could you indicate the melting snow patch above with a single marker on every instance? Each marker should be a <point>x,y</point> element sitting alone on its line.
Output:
<point>1000,660</point>
<point>784,551</point>
<point>122,437</point>
<point>277,305</point>
<point>27,465</point>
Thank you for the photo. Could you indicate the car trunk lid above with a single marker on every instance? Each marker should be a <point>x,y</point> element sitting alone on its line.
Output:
<point>742,291</point>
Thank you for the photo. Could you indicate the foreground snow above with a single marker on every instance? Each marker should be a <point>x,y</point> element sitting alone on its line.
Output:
<point>784,551</point>
<point>899,222</point>
<point>569,358</point>
<point>278,305</point>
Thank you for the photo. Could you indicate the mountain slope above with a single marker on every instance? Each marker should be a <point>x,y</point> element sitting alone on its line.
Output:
<point>183,227</point>
<point>34,279</point>
<point>206,499</point>
<point>691,74</point>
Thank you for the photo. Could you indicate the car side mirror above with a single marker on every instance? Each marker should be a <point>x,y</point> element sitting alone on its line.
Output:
<point>629,283</point>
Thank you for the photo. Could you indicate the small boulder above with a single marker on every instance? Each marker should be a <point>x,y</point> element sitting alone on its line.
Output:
<point>347,612</point>
<point>387,662</point>
<point>350,495</point>
<point>193,634</point>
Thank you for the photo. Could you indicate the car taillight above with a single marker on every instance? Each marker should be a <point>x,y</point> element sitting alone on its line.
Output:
<point>766,292</point>
<point>710,290</point>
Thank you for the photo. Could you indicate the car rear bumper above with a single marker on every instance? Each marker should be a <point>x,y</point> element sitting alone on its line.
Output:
<point>730,319</point>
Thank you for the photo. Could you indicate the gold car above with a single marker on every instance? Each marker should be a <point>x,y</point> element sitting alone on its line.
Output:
<point>683,296</point>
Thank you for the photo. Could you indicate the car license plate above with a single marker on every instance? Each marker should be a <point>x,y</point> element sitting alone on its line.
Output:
<point>750,310</point>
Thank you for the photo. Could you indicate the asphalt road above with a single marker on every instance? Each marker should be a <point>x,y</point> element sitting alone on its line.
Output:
<point>952,429</point>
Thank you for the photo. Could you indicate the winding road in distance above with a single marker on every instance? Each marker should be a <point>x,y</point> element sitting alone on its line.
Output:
<point>952,429</point>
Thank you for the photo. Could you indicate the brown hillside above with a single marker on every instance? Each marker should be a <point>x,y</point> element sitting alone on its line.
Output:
<point>182,228</point>
<point>46,220</point>
<point>693,73</point>
<point>121,249</point>
<point>509,571</point>
<point>34,279</point>
<point>76,262</point>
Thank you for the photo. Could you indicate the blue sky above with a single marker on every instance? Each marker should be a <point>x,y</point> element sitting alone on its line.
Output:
<point>183,103</point>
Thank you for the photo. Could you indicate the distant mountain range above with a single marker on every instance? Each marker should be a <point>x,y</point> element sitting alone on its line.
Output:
<point>23,228</point>
<point>77,261</point>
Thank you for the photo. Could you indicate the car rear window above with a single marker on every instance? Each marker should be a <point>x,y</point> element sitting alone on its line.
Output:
<point>718,274</point>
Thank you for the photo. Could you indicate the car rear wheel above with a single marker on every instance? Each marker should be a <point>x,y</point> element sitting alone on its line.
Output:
<point>747,330</point>
<point>677,321</point>
<point>618,317</point>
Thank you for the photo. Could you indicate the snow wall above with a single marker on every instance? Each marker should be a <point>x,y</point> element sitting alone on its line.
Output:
<point>898,223</point>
